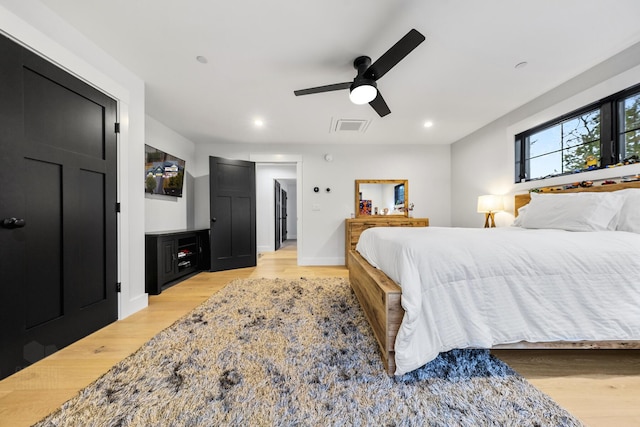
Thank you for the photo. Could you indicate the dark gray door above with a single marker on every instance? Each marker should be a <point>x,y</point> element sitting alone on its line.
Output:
<point>232,187</point>
<point>283,210</point>
<point>58,253</point>
<point>277,213</point>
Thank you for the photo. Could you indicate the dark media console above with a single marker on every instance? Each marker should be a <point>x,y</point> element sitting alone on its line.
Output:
<point>171,256</point>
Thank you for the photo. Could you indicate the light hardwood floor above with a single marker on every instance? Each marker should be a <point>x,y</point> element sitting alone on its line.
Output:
<point>602,388</point>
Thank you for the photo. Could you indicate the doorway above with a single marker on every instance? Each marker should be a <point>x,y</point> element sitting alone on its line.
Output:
<point>277,201</point>
<point>271,220</point>
<point>285,212</point>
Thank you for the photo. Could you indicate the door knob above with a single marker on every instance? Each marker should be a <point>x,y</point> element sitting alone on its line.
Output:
<point>13,223</point>
<point>214,219</point>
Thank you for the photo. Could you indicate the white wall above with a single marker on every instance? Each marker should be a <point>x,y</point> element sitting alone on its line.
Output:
<point>35,26</point>
<point>163,213</point>
<point>321,232</point>
<point>483,162</point>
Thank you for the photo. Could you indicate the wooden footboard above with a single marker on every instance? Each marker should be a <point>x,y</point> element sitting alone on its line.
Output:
<point>379,297</point>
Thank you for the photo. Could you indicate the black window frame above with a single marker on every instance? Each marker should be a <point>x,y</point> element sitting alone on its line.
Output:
<point>622,132</point>
<point>610,144</point>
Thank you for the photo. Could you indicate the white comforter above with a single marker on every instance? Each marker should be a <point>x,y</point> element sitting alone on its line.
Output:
<point>464,287</point>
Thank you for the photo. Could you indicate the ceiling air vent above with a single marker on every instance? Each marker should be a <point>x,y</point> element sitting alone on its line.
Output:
<point>349,125</point>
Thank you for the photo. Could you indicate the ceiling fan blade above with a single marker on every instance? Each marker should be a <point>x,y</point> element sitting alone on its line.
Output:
<point>395,54</point>
<point>320,89</point>
<point>380,105</point>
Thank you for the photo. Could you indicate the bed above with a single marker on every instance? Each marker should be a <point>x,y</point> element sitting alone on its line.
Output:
<point>582,293</point>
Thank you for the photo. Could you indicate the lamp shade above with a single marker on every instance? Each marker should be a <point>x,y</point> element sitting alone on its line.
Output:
<point>490,203</point>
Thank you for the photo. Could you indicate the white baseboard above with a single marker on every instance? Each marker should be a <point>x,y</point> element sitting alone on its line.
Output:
<point>321,261</point>
<point>133,305</point>
<point>264,248</point>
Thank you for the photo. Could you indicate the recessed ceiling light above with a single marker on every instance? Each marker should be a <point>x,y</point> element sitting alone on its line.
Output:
<point>521,65</point>
<point>258,123</point>
<point>428,124</point>
<point>202,59</point>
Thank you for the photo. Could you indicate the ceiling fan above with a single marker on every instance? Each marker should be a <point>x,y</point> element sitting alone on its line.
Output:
<point>363,88</point>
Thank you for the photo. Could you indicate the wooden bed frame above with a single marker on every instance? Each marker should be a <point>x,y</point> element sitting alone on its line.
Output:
<point>380,297</point>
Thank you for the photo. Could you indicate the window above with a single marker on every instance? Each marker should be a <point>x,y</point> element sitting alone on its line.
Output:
<point>630,126</point>
<point>581,140</point>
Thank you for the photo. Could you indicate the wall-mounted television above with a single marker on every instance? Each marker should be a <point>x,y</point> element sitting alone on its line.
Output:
<point>163,173</point>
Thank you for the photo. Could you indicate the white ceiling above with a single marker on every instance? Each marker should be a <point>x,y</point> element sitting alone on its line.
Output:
<point>461,78</point>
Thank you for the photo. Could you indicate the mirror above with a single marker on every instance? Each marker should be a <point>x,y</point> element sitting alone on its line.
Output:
<point>382,197</point>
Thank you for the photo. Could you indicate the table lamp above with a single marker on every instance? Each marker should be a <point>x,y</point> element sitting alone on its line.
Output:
<point>489,205</point>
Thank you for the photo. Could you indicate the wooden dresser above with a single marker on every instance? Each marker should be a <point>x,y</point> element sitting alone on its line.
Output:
<point>353,227</point>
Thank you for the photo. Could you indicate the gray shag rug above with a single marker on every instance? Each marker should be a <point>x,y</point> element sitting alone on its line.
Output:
<point>267,352</point>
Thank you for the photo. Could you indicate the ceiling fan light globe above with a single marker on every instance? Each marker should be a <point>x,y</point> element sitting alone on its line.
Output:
<point>363,94</point>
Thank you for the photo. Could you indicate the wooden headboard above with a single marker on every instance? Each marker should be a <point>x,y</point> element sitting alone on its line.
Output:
<point>523,199</point>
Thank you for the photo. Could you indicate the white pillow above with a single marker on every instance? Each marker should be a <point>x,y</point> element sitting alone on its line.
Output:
<point>518,221</point>
<point>629,216</point>
<point>587,211</point>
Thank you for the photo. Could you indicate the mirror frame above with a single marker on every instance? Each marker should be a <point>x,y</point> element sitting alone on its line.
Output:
<point>405,212</point>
